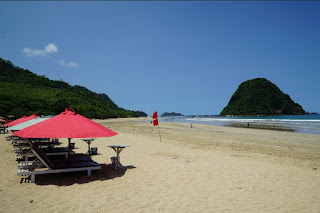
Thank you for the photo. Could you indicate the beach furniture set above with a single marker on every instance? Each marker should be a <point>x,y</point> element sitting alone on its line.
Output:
<point>41,156</point>
<point>37,154</point>
<point>3,129</point>
<point>58,167</point>
<point>35,159</point>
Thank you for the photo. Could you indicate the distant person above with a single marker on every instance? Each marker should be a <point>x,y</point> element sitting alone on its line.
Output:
<point>248,125</point>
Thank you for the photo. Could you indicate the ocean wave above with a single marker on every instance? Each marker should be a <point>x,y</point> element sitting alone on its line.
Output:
<point>303,124</point>
<point>250,120</point>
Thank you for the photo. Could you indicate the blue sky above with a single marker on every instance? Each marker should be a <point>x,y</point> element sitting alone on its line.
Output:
<point>181,56</point>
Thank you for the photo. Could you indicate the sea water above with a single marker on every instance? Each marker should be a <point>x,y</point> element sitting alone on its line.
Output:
<point>298,123</point>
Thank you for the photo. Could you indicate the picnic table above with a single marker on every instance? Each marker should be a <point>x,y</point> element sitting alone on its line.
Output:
<point>88,141</point>
<point>116,160</point>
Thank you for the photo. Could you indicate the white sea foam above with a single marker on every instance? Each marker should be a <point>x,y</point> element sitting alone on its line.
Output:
<point>301,123</point>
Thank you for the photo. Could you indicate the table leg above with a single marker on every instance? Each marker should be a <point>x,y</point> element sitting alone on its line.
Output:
<point>117,158</point>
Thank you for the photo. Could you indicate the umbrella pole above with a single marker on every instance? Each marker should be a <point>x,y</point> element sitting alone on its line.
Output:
<point>159,132</point>
<point>69,148</point>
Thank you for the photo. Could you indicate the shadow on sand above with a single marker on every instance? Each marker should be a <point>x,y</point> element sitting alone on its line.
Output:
<point>107,172</point>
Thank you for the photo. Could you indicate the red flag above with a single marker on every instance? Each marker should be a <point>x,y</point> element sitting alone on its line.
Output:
<point>155,115</point>
<point>155,118</point>
<point>155,122</point>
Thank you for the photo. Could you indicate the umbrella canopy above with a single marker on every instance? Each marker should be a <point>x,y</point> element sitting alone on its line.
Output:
<point>22,119</point>
<point>26,124</point>
<point>3,121</point>
<point>68,124</point>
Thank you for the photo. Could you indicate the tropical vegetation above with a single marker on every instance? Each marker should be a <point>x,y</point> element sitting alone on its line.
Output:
<point>260,97</point>
<point>170,114</point>
<point>24,93</point>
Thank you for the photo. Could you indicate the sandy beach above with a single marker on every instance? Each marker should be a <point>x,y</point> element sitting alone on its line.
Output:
<point>201,169</point>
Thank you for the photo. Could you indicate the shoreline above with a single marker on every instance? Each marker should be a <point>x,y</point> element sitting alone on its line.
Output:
<point>239,124</point>
<point>309,124</point>
<point>261,126</point>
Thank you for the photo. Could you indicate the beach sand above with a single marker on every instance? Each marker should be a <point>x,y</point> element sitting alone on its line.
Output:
<point>201,169</point>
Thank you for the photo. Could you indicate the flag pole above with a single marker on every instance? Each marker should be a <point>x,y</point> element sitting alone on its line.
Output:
<point>155,122</point>
<point>159,132</point>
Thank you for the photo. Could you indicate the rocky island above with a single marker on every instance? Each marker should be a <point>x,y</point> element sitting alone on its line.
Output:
<point>261,97</point>
<point>170,114</point>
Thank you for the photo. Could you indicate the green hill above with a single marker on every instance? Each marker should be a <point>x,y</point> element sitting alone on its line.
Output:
<point>171,114</point>
<point>260,97</point>
<point>23,93</point>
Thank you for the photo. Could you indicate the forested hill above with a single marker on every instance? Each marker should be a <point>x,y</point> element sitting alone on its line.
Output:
<point>170,114</point>
<point>24,93</point>
<point>260,97</point>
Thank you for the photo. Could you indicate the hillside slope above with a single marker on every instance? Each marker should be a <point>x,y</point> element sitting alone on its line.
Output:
<point>23,93</point>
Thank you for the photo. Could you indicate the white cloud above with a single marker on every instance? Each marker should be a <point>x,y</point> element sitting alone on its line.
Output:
<point>68,64</point>
<point>49,48</point>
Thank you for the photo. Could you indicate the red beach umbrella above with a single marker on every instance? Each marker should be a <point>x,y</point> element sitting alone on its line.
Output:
<point>3,121</point>
<point>68,124</point>
<point>22,119</point>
